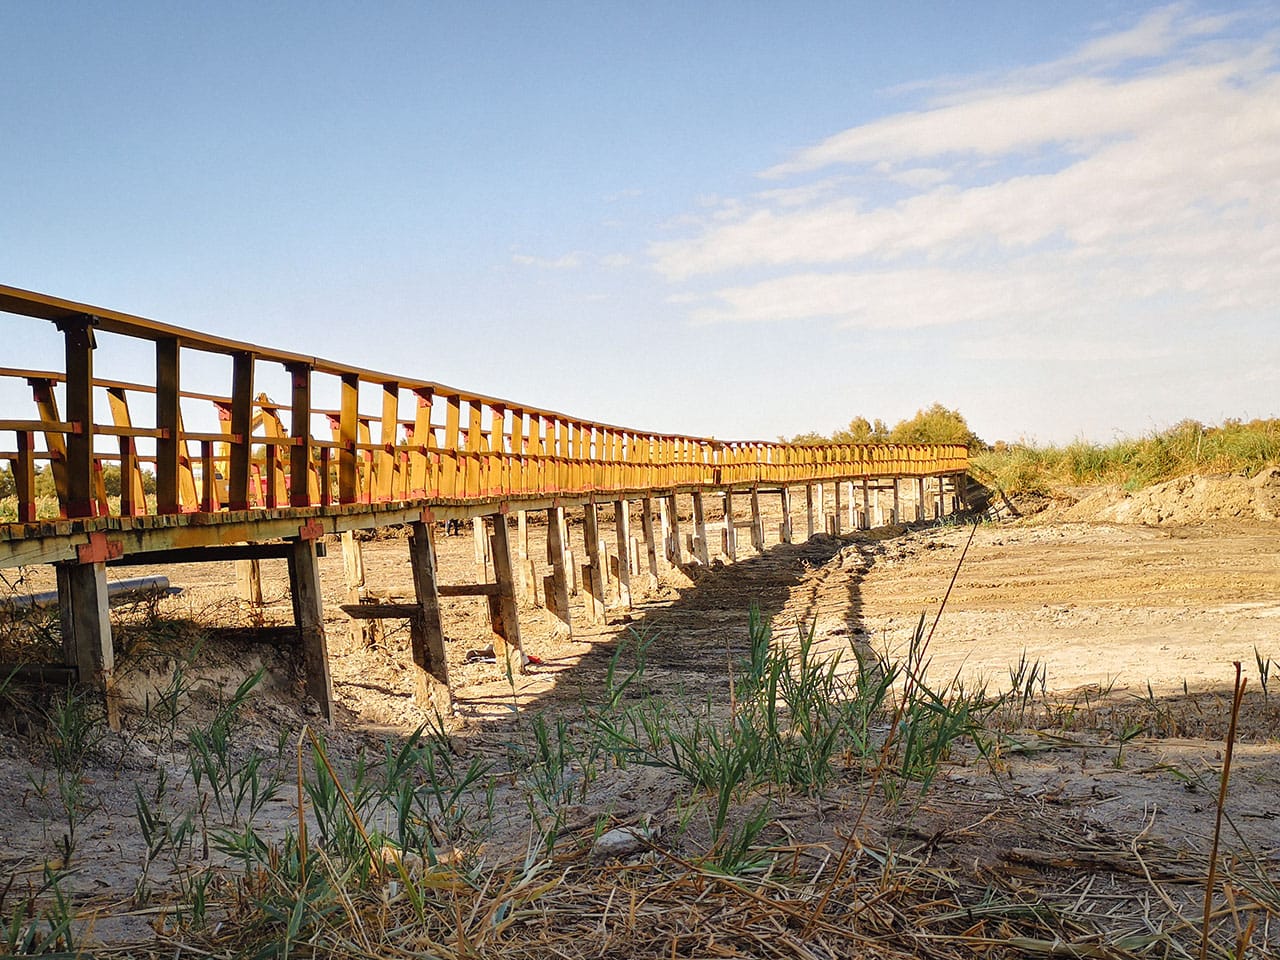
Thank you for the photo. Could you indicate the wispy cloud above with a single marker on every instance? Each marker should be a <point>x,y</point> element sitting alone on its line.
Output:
<point>1136,177</point>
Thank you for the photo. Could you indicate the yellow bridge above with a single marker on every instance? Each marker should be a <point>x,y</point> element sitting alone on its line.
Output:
<point>267,483</point>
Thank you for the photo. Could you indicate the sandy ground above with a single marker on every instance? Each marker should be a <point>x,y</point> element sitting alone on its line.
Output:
<point>1135,626</point>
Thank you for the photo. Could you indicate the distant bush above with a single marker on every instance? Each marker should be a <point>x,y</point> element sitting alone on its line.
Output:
<point>936,424</point>
<point>1186,447</point>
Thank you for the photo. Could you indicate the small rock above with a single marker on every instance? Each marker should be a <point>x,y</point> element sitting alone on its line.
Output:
<point>619,843</point>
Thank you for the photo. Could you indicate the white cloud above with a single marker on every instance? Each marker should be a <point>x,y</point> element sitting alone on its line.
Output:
<point>1102,189</point>
<point>1157,34</point>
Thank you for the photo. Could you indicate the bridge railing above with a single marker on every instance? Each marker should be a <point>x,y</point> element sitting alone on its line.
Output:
<point>428,442</point>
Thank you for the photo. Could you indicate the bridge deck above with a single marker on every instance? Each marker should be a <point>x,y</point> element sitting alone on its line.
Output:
<point>294,471</point>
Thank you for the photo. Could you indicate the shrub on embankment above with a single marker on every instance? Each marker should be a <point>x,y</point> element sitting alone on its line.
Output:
<point>1188,447</point>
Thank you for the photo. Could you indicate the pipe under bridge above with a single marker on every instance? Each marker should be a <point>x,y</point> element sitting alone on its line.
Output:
<point>271,478</point>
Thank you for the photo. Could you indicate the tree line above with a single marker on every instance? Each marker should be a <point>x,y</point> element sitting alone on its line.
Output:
<point>934,424</point>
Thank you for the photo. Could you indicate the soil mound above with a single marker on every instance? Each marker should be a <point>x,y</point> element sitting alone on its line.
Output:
<point>1186,500</point>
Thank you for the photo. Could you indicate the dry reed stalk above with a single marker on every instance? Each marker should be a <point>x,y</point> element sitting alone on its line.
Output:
<point>376,861</point>
<point>302,813</point>
<point>1236,701</point>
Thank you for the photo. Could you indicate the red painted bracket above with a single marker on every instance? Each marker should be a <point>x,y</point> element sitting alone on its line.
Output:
<point>99,549</point>
<point>427,516</point>
<point>313,530</point>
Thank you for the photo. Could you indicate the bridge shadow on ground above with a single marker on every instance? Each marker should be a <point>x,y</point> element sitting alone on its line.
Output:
<point>693,630</point>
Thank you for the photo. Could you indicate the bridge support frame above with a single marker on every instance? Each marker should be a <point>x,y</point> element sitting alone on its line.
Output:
<point>426,632</point>
<point>650,540</point>
<point>809,510</point>
<point>757,524</point>
<point>700,531</point>
<point>504,609</point>
<point>593,570</point>
<point>622,523</point>
<point>730,531</point>
<point>556,585</point>
<point>308,614</point>
<point>784,529</point>
<point>671,530</point>
<point>86,629</point>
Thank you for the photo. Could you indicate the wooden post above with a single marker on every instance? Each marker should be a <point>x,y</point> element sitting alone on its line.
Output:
<point>364,632</point>
<point>622,524</point>
<point>839,507</point>
<point>508,627</point>
<point>650,540</point>
<point>308,614</point>
<point>594,579</point>
<point>671,525</point>
<point>866,503</point>
<point>86,629</point>
<point>665,527</point>
<point>133,500</point>
<point>962,490</point>
<point>808,508</point>
<point>55,442</point>
<point>556,588</point>
<point>699,531</point>
<point>526,581</point>
<point>939,507</point>
<point>24,476</point>
<point>241,426</point>
<point>80,344</point>
<point>919,498</point>
<point>480,543</point>
<point>593,607</point>
<point>897,501</point>
<point>784,529</point>
<point>249,581</point>
<point>757,523</point>
<point>300,434</point>
<point>348,431</point>
<point>426,633</point>
<point>168,419</point>
<point>387,462</point>
<point>730,531</point>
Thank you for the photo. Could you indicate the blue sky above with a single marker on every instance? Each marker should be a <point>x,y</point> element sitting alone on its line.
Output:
<point>735,219</point>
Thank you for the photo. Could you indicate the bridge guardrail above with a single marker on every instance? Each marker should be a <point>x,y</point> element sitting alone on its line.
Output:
<point>433,443</point>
